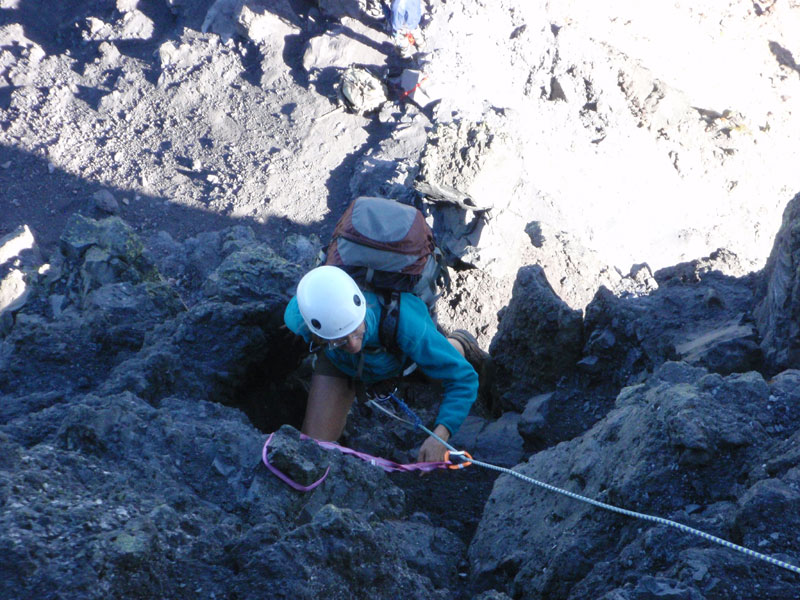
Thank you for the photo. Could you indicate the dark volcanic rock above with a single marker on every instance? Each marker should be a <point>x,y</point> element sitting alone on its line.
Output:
<point>697,314</point>
<point>89,311</point>
<point>729,348</point>
<point>561,415</point>
<point>538,340</point>
<point>114,459</point>
<point>683,445</point>
<point>250,274</point>
<point>778,312</point>
<point>497,441</point>
<point>152,502</point>
<point>143,488</point>
<point>201,353</point>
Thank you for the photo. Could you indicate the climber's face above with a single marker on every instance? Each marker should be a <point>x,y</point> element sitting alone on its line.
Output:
<point>350,343</point>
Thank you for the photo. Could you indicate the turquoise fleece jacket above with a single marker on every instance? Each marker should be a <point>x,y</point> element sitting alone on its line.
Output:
<point>419,341</point>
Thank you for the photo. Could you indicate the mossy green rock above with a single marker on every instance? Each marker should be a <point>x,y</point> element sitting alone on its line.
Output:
<point>251,274</point>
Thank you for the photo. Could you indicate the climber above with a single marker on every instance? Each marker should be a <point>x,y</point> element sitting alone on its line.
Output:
<point>332,313</point>
<point>405,18</point>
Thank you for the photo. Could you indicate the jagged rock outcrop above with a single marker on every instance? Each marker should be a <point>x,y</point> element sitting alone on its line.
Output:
<point>693,312</point>
<point>703,449</point>
<point>90,309</point>
<point>575,272</point>
<point>104,316</point>
<point>697,314</point>
<point>778,313</point>
<point>538,341</point>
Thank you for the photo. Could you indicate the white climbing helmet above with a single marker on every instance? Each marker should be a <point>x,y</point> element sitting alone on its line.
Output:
<point>330,302</point>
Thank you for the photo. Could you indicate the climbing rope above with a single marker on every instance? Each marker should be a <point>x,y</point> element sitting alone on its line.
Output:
<point>464,459</point>
<point>416,87</point>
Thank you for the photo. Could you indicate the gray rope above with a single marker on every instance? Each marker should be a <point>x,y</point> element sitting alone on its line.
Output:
<point>597,503</point>
<point>643,516</point>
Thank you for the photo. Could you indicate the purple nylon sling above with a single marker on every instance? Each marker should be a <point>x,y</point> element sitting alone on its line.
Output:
<point>386,465</point>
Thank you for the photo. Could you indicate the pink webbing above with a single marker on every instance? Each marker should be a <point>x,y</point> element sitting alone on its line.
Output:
<point>386,465</point>
<point>284,478</point>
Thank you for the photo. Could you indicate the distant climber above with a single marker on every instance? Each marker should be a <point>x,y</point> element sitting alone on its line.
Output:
<point>341,324</point>
<point>406,34</point>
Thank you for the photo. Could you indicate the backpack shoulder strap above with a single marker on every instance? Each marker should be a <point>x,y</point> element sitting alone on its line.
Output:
<point>390,319</point>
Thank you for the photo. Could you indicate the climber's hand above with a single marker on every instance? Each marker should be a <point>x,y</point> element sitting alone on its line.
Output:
<point>432,450</point>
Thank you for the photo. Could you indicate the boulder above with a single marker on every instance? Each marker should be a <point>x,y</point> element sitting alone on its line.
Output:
<point>562,414</point>
<point>285,455</point>
<point>107,250</point>
<point>302,250</point>
<point>497,441</point>
<point>266,23</point>
<point>188,264</point>
<point>433,552</point>
<point>105,202</point>
<point>132,25</point>
<point>731,347</point>
<point>349,43</point>
<point>19,261</point>
<point>14,292</point>
<point>120,314</point>
<point>251,274</point>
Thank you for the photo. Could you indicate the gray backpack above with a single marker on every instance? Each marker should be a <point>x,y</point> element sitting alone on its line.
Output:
<point>361,91</point>
<point>387,247</point>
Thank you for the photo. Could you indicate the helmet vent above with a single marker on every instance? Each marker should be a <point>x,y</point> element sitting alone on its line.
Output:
<point>316,324</point>
<point>356,300</point>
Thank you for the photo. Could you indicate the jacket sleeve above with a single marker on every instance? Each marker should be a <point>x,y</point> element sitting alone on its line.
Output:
<point>419,339</point>
<point>294,320</point>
